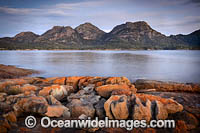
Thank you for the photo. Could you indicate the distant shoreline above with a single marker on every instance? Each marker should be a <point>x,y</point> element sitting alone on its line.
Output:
<point>10,71</point>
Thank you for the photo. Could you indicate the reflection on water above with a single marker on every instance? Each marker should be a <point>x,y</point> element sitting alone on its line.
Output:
<point>177,65</point>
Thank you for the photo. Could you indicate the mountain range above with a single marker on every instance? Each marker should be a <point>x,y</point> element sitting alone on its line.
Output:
<point>131,35</point>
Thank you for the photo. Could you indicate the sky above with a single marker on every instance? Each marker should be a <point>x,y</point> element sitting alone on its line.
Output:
<point>169,17</point>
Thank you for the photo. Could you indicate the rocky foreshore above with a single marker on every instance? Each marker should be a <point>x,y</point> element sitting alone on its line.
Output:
<point>8,72</point>
<point>112,97</point>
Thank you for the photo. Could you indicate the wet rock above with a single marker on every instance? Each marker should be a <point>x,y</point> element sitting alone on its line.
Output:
<point>142,111</point>
<point>166,86</point>
<point>106,90</point>
<point>78,107</point>
<point>99,107</point>
<point>57,111</point>
<point>117,107</point>
<point>34,104</point>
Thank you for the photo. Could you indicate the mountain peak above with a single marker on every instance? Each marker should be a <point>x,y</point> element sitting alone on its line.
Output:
<point>138,31</point>
<point>25,37</point>
<point>89,32</point>
<point>23,34</point>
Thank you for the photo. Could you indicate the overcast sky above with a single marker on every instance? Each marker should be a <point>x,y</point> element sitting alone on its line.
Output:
<point>166,16</point>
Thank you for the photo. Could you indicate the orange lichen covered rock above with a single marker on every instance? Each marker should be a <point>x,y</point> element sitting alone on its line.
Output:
<point>140,111</point>
<point>121,92</point>
<point>118,80</point>
<point>97,81</point>
<point>58,91</point>
<point>116,107</point>
<point>106,90</point>
<point>60,81</point>
<point>28,87</point>
<point>46,90</point>
<point>170,105</point>
<point>160,111</point>
<point>73,81</point>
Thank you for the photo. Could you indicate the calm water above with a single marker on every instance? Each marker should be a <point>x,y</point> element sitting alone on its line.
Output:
<point>177,65</point>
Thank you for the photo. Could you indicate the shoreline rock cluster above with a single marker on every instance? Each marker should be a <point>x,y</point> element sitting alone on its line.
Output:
<point>8,72</point>
<point>82,97</point>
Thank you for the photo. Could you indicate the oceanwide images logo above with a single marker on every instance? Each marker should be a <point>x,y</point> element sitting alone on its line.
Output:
<point>46,122</point>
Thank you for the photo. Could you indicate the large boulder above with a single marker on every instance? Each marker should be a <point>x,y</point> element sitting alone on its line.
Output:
<point>58,91</point>
<point>170,105</point>
<point>99,107</point>
<point>86,95</point>
<point>78,107</point>
<point>141,111</point>
<point>33,104</point>
<point>106,90</point>
<point>160,111</point>
<point>73,81</point>
<point>117,107</point>
<point>83,102</point>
